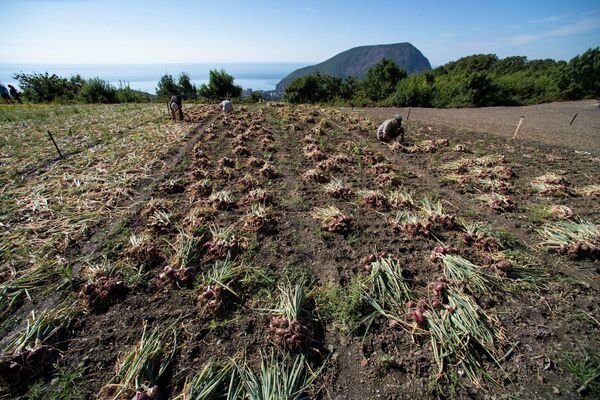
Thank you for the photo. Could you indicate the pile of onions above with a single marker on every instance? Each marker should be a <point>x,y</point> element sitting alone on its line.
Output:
<point>27,363</point>
<point>255,162</point>
<point>212,297</point>
<point>419,228</point>
<point>145,253</point>
<point>481,240</point>
<point>581,249</point>
<point>267,171</point>
<point>145,393</point>
<point>440,251</point>
<point>258,223</point>
<point>241,150</point>
<point>314,175</point>
<point>288,332</point>
<point>505,173</point>
<point>502,204</point>
<point>312,152</point>
<point>375,199</point>
<point>227,162</point>
<point>180,276</point>
<point>437,295</point>
<point>381,168</point>
<point>371,258</point>
<point>247,182</point>
<point>415,312</point>
<point>98,294</point>
<point>329,165</point>
<point>220,247</point>
<point>386,180</point>
<point>171,187</point>
<point>338,224</point>
<point>444,220</point>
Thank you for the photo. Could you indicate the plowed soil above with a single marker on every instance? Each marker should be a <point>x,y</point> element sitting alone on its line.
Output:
<point>546,321</point>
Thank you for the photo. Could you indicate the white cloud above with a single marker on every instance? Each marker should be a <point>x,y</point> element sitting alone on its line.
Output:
<point>552,18</point>
<point>584,25</point>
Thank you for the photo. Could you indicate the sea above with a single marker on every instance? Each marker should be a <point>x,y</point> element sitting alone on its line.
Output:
<point>145,77</point>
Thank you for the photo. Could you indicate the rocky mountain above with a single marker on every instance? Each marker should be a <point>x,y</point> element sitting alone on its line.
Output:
<point>357,61</point>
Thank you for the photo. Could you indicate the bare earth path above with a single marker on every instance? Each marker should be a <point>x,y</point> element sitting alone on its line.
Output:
<point>546,124</point>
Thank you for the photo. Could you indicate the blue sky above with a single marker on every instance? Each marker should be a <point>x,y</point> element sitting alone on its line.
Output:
<point>176,31</point>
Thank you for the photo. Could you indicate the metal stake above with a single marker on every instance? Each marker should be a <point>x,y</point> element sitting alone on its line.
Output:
<point>55,145</point>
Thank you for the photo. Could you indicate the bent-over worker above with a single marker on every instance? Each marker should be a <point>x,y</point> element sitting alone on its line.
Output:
<point>14,93</point>
<point>227,106</point>
<point>175,107</point>
<point>390,129</point>
<point>4,93</point>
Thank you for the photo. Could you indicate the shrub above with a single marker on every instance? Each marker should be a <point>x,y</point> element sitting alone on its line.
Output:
<point>45,88</point>
<point>220,86</point>
<point>313,88</point>
<point>97,91</point>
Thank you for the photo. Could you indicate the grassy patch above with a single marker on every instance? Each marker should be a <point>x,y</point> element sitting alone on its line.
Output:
<point>66,384</point>
<point>587,372</point>
<point>342,307</point>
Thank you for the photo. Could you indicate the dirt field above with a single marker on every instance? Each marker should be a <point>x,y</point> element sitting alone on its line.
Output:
<point>169,256</point>
<point>544,124</point>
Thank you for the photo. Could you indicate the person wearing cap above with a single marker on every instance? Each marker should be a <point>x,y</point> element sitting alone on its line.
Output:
<point>227,106</point>
<point>14,93</point>
<point>391,129</point>
<point>175,107</point>
<point>4,93</point>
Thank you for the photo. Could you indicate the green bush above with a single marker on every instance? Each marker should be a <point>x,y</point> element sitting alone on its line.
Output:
<point>126,94</point>
<point>186,88</point>
<point>97,91</point>
<point>220,86</point>
<point>381,80</point>
<point>46,88</point>
<point>167,86</point>
<point>313,88</point>
<point>413,91</point>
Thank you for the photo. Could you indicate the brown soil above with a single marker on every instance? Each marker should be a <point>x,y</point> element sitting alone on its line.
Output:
<point>544,124</point>
<point>545,323</point>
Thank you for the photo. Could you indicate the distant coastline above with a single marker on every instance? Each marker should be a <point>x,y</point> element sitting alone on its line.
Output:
<point>256,76</point>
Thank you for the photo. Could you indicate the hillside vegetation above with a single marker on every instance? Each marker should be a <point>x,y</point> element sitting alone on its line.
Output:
<point>473,81</point>
<point>357,61</point>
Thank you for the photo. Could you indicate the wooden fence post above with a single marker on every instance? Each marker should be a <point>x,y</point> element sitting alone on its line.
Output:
<point>518,126</point>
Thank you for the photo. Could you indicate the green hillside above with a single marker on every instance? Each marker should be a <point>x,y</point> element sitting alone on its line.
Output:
<point>357,61</point>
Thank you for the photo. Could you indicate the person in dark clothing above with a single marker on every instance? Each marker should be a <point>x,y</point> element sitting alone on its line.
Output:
<point>175,106</point>
<point>4,93</point>
<point>15,93</point>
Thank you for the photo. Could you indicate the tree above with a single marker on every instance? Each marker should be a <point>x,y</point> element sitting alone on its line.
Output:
<point>220,86</point>
<point>582,75</point>
<point>413,91</point>
<point>46,88</point>
<point>313,88</point>
<point>186,88</point>
<point>382,79</point>
<point>256,97</point>
<point>348,88</point>
<point>479,89</point>
<point>167,86</point>
<point>98,91</point>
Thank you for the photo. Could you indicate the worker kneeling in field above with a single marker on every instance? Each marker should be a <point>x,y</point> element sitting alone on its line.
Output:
<point>227,106</point>
<point>175,107</point>
<point>391,129</point>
